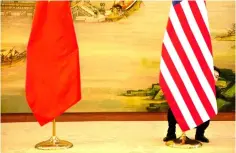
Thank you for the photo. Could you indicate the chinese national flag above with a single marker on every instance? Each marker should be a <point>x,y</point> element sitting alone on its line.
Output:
<point>53,72</point>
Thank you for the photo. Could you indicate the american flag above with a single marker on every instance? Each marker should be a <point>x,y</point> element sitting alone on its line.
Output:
<point>187,71</point>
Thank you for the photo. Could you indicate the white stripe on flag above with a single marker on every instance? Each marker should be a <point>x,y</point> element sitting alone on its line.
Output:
<point>202,7</point>
<point>176,94</point>
<point>197,34</point>
<point>185,78</point>
<point>192,58</point>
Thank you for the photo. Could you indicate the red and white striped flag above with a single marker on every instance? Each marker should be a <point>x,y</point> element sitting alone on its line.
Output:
<point>187,72</point>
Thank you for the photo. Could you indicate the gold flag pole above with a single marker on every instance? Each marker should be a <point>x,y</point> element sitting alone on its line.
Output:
<point>184,142</point>
<point>54,143</point>
<point>54,128</point>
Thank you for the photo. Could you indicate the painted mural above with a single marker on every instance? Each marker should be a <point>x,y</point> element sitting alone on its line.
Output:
<point>120,49</point>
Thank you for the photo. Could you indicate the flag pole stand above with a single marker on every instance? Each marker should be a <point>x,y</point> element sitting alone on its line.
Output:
<point>184,142</point>
<point>54,143</point>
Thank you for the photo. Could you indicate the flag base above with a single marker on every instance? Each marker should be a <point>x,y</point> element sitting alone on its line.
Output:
<point>184,142</point>
<point>53,144</point>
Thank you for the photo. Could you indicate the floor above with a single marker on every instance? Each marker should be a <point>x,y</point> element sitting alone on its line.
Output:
<point>112,137</point>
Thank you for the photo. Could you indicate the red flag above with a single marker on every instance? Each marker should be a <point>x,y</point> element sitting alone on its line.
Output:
<point>187,76</point>
<point>53,73</point>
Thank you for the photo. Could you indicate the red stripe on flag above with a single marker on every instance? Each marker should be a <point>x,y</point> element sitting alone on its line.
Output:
<point>173,105</point>
<point>201,24</point>
<point>190,71</point>
<point>195,47</point>
<point>180,85</point>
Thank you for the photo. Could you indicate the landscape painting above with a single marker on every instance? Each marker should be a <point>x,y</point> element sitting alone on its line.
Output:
<point>120,46</point>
